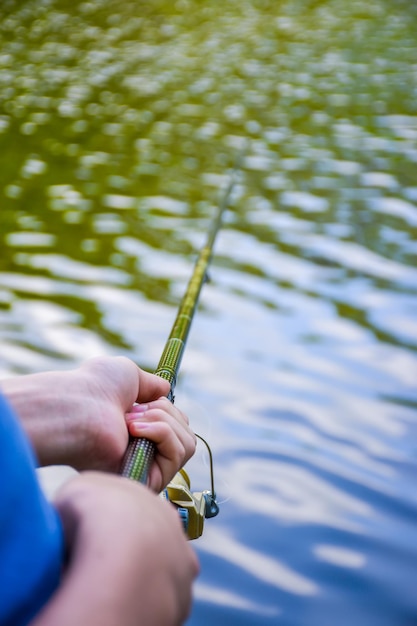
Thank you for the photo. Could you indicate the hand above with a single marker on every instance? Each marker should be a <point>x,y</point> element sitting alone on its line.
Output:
<point>129,561</point>
<point>165,425</point>
<point>78,417</point>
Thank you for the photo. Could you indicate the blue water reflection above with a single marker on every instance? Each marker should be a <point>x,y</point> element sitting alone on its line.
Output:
<point>119,128</point>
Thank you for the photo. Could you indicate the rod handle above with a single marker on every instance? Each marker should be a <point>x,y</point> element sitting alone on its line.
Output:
<point>140,452</point>
<point>138,459</point>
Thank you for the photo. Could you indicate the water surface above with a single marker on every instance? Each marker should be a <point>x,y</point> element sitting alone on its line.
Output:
<point>120,125</point>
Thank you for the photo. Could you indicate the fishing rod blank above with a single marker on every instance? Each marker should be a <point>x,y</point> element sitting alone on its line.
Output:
<point>140,452</point>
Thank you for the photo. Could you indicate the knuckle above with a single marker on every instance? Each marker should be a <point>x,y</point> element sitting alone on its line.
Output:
<point>162,403</point>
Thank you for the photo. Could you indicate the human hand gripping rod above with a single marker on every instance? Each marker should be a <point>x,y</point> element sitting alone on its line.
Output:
<point>140,452</point>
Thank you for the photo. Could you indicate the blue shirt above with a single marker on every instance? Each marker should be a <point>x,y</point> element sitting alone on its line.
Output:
<point>31,540</point>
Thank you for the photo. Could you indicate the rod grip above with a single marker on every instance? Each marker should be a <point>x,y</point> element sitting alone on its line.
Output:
<point>138,459</point>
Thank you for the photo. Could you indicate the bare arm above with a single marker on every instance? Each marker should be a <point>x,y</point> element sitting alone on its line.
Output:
<point>129,561</point>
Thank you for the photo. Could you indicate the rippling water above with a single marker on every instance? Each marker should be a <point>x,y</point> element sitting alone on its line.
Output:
<point>120,124</point>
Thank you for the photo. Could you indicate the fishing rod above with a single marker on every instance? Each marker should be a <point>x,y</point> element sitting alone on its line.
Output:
<point>193,507</point>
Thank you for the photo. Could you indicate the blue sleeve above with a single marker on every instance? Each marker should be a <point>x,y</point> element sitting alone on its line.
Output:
<point>31,541</point>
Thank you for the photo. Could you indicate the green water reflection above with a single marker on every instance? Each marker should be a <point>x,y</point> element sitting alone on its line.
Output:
<point>102,106</point>
<point>119,125</point>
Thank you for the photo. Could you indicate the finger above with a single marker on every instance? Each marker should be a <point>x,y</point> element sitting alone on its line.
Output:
<point>154,409</point>
<point>174,448</point>
<point>175,445</point>
<point>174,419</point>
<point>170,455</point>
<point>151,387</point>
<point>121,378</point>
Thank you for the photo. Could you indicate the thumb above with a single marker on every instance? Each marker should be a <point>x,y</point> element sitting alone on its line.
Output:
<point>151,387</point>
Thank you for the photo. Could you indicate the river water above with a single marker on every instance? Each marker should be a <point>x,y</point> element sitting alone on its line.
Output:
<point>120,124</point>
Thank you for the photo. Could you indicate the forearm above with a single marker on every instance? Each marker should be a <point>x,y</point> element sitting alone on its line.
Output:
<point>35,398</point>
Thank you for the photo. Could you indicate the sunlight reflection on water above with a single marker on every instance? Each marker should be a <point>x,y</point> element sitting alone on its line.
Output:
<point>119,127</point>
